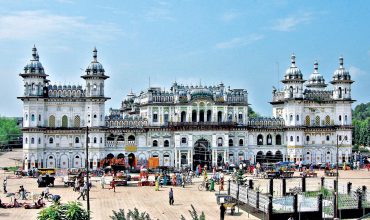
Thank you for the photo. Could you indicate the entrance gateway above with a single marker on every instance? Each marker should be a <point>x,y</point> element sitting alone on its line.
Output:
<point>202,154</point>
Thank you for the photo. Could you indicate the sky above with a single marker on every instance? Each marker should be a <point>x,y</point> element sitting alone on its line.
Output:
<point>244,44</point>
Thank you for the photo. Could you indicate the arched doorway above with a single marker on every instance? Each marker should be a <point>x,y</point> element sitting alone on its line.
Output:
<point>131,160</point>
<point>220,160</point>
<point>269,158</point>
<point>278,156</point>
<point>259,157</point>
<point>202,154</point>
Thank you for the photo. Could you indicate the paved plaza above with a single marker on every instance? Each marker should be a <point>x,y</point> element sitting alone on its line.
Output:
<point>103,201</point>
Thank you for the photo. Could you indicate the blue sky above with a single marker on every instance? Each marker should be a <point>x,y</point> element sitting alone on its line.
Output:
<point>244,44</point>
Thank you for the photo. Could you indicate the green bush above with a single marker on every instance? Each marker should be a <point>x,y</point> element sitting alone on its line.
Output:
<point>131,215</point>
<point>194,215</point>
<point>69,211</point>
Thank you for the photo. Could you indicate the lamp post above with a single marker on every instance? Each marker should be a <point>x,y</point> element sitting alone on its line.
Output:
<point>87,172</point>
<point>337,178</point>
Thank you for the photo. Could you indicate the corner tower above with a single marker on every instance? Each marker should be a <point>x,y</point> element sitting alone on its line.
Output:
<point>95,100</point>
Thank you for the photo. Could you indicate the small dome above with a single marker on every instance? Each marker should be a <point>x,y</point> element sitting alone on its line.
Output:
<point>95,68</point>
<point>316,79</point>
<point>293,72</point>
<point>34,65</point>
<point>341,73</point>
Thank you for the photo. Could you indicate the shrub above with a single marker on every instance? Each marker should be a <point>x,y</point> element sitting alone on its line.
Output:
<point>69,211</point>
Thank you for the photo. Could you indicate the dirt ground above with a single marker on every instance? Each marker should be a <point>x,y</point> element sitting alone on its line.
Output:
<point>103,201</point>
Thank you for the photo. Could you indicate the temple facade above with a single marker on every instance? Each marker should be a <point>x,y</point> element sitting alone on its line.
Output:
<point>185,125</point>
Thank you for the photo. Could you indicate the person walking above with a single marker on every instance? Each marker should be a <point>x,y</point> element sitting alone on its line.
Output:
<point>222,211</point>
<point>157,183</point>
<point>170,195</point>
<point>82,193</point>
<point>102,182</point>
<point>221,181</point>
<point>5,182</point>
<point>113,185</point>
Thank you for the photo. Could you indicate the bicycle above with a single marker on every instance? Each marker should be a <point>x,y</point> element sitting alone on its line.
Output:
<point>27,195</point>
<point>48,197</point>
<point>202,186</point>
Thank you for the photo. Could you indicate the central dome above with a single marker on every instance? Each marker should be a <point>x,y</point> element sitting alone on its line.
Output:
<point>201,91</point>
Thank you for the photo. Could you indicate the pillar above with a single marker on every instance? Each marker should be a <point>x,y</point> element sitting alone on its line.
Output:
<point>188,157</point>
<point>349,187</point>
<point>176,158</point>
<point>303,184</point>
<point>271,186</point>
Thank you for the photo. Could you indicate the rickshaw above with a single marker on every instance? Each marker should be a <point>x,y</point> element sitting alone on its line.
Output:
<point>46,177</point>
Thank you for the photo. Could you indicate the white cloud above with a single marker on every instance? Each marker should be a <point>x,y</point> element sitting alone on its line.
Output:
<point>291,22</point>
<point>229,16</point>
<point>38,24</point>
<point>239,41</point>
<point>355,71</point>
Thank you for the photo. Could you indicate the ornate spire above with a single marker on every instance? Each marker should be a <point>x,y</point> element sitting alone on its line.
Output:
<point>95,54</point>
<point>292,59</point>
<point>316,67</point>
<point>341,62</point>
<point>34,53</point>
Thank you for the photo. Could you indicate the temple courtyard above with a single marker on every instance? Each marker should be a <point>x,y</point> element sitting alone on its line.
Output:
<point>103,201</point>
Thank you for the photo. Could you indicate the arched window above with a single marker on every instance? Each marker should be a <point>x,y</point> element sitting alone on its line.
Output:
<point>95,140</point>
<point>327,137</point>
<point>278,139</point>
<point>317,120</point>
<point>219,116</point>
<point>183,116</point>
<point>52,121</point>
<point>340,92</point>
<point>165,117</point>
<point>194,116</point>
<point>308,120</point>
<point>291,138</point>
<point>291,118</point>
<point>26,141</point>
<point>101,140</point>
<point>155,143</point>
<point>155,117</point>
<point>345,119</point>
<point>32,140</point>
<point>39,141</point>
<point>209,115</point>
<point>291,92</point>
<point>32,117</point>
<point>77,140</point>
<point>307,138</point>
<point>340,118</point>
<point>219,142</point>
<point>241,142</point>
<point>120,138</point>
<point>269,139</point>
<point>166,143</point>
<point>26,117</point>
<point>51,140</point>
<point>131,138</point>
<point>297,138</point>
<point>77,121</point>
<point>39,117</point>
<point>327,120</point>
<point>260,139</point>
<point>231,142</point>
<point>297,117</point>
<point>183,140</point>
<point>64,121</point>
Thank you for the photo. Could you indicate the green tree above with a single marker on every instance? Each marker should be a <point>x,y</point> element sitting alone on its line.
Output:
<point>9,130</point>
<point>69,211</point>
<point>361,124</point>
<point>252,113</point>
